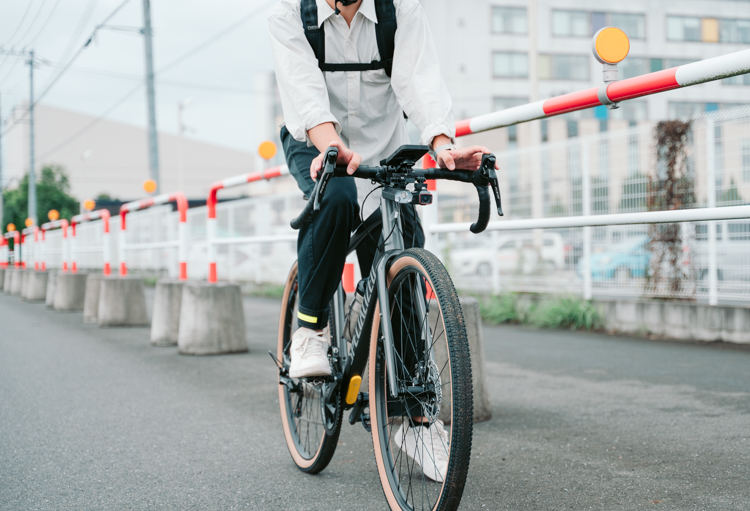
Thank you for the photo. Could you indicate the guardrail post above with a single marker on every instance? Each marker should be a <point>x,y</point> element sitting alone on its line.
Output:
<point>72,245</point>
<point>586,210</point>
<point>713,284</point>
<point>121,248</point>
<point>210,237</point>
<point>182,248</point>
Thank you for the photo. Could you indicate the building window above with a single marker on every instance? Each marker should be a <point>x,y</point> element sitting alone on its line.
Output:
<point>634,110</point>
<point>563,67</point>
<point>746,160</point>
<point>631,67</point>
<point>679,62</point>
<point>503,103</point>
<point>509,20</point>
<point>734,31</point>
<point>737,80</point>
<point>571,23</point>
<point>685,109</point>
<point>585,24</point>
<point>510,65</point>
<point>680,28</point>
<point>634,25</point>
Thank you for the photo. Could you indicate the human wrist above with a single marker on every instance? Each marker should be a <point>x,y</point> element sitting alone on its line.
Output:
<point>439,149</point>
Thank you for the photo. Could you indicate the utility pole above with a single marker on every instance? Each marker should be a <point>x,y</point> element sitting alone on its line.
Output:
<point>32,163</point>
<point>152,135</point>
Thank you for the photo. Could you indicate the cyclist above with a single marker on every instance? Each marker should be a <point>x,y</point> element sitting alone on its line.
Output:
<point>347,77</point>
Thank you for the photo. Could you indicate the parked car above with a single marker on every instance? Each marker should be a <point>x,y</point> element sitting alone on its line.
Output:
<point>510,253</point>
<point>624,260</point>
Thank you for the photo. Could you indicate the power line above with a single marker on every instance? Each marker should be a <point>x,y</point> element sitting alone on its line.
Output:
<point>36,17</point>
<point>54,80</point>
<point>92,123</point>
<point>77,31</point>
<point>46,22</point>
<point>219,35</point>
<point>23,18</point>
<point>88,41</point>
<point>173,83</point>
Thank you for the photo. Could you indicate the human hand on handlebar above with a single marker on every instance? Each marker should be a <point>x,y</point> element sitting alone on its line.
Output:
<point>346,157</point>
<point>468,158</point>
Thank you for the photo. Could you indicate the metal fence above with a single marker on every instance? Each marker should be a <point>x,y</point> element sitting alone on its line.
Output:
<point>616,170</point>
<point>621,169</point>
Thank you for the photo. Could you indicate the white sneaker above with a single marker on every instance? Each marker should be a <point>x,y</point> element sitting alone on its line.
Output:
<point>427,446</point>
<point>309,353</point>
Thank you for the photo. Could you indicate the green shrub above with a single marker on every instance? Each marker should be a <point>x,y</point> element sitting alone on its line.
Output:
<point>265,290</point>
<point>565,312</point>
<point>500,309</point>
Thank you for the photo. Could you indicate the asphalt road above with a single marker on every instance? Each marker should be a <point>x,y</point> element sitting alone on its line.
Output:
<point>97,419</point>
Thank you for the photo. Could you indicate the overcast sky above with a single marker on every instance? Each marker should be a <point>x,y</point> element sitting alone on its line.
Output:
<point>219,77</point>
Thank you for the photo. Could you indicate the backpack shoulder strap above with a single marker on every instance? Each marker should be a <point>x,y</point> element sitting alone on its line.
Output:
<point>315,35</point>
<point>386,32</point>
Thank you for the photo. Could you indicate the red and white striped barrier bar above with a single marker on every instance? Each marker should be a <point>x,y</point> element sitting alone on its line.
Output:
<point>17,243</point>
<point>65,249</point>
<point>103,215</point>
<point>242,179</point>
<point>3,253</point>
<point>182,232</point>
<point>33,250</point>
<point>695,73</point>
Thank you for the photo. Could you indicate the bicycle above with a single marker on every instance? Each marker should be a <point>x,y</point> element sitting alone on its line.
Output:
<point>397,333</point>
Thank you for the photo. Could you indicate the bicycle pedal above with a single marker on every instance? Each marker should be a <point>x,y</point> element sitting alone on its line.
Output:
<point>366,422</point>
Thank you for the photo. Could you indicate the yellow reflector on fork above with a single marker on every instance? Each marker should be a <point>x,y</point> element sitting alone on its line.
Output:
<point>353,392</point>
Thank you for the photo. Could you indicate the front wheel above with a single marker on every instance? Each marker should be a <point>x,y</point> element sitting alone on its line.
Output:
<point>422,438</point>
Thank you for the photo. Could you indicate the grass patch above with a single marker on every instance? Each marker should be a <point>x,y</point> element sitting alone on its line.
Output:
<point>500,309</point>
<point>565,312</point>
<point>264,290</point>
<point>569,312</point>
<point>150,281</point>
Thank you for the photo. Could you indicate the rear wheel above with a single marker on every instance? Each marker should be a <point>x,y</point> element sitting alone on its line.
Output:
<point>433,373</point>
<point>301,402</point>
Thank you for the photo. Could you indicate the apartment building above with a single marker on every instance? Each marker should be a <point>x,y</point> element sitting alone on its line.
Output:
<point>502,53</point>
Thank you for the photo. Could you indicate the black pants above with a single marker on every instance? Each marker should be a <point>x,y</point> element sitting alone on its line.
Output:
<point>323,244</point>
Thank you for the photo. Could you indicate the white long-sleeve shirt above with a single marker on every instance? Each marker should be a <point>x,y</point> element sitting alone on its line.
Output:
<point>366,107</point>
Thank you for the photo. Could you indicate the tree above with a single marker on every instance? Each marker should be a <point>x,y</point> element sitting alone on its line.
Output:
<point>52,192</point>
<point>731,195</point>
<point>672,188</point>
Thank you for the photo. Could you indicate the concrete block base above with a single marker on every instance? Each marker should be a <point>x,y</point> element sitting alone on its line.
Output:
<point>70,292</point>
<point>677,320</point>
<point>473,319</point>
<point>16,283</point>
<point>36,286</point>
<point>122,302</point>
<point>51,287</point>
<point>165,324</point>
<point>212,320</point>
<point>91,302</point>
<point>8,280</point>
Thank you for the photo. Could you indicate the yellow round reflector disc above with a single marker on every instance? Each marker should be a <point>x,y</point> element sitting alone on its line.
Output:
<point>611,45</point>
<point>267,150</point>
<point>149,186</point>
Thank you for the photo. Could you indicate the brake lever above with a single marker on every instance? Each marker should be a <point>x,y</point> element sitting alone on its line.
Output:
<point>488,171</point>
<point>329,165</point>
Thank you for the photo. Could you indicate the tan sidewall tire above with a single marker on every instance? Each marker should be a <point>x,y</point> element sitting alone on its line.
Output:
<point>400,263</point>
<point>299,460</point>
